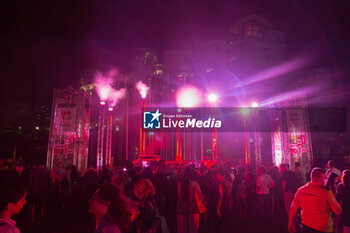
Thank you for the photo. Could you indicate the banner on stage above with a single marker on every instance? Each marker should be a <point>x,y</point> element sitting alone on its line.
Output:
<point>66,119</point>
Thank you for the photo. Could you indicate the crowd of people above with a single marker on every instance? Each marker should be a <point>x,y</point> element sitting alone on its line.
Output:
<point>164,198</point>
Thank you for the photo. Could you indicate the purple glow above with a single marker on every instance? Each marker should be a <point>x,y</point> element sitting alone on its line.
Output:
<point>188,97</point>
<point>302,92</point>
<point>244,111</point>
<point>142,88</point>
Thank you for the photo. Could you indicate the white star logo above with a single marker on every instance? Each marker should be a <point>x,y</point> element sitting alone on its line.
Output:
<point>156,115</point>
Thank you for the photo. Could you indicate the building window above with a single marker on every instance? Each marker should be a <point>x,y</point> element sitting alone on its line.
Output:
<point>253,30</point>
<point>158,72</point>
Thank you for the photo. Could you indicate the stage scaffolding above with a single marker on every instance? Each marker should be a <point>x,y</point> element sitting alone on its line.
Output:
<point>69,131</point>
<point>290,136</point>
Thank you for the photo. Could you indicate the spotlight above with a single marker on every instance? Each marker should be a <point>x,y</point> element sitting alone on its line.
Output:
<point>188,97</point>
<point>212,98</point>
<point>254,104</point>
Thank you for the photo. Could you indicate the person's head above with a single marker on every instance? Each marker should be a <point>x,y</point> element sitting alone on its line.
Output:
<point>221,174</point>
<point>203,170</point>
<point>330,164</point>
<point>12,197</point>
<point>318,175</point>
<point>235,171</point>
<point>346,178</point>
<point>332,179</point>
<point>144,189</point>
<point>109,202</point>
<point>283,167</point>
<point>297,164</point>
<point>189,173</point>
<point>262,170</point>
<point>269,166</point>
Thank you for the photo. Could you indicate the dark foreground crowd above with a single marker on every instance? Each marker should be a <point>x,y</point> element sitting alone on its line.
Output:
<point>164,198</point>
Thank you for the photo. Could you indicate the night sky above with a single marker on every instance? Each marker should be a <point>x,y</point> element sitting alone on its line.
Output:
<point>48,44</point>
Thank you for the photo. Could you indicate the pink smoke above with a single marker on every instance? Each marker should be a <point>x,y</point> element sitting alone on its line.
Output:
<point>116,95</point>
<point>142,88</point>
<point>104,87</point>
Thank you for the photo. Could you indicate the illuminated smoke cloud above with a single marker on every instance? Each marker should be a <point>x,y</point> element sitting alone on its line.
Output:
<point>116,95</point>
<point>104,87</point>
<point>142,88</point>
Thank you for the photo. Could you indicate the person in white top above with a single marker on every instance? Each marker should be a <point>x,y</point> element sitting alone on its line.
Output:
<point>332,168</point>
<point>264,184</point>
<point>12,199</point>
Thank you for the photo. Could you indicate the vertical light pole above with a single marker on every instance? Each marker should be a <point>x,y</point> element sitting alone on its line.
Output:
<point>109,124</point>
<point>213,98</point>
<point>141,131</point>
<point>110,139</point>
<point>106,92</point>
<point>187,97</point>
<point>178,145</point>
<point>100,136</point>
<point>143,94</point>
<point>245,112</point>
<point>257,143</point>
